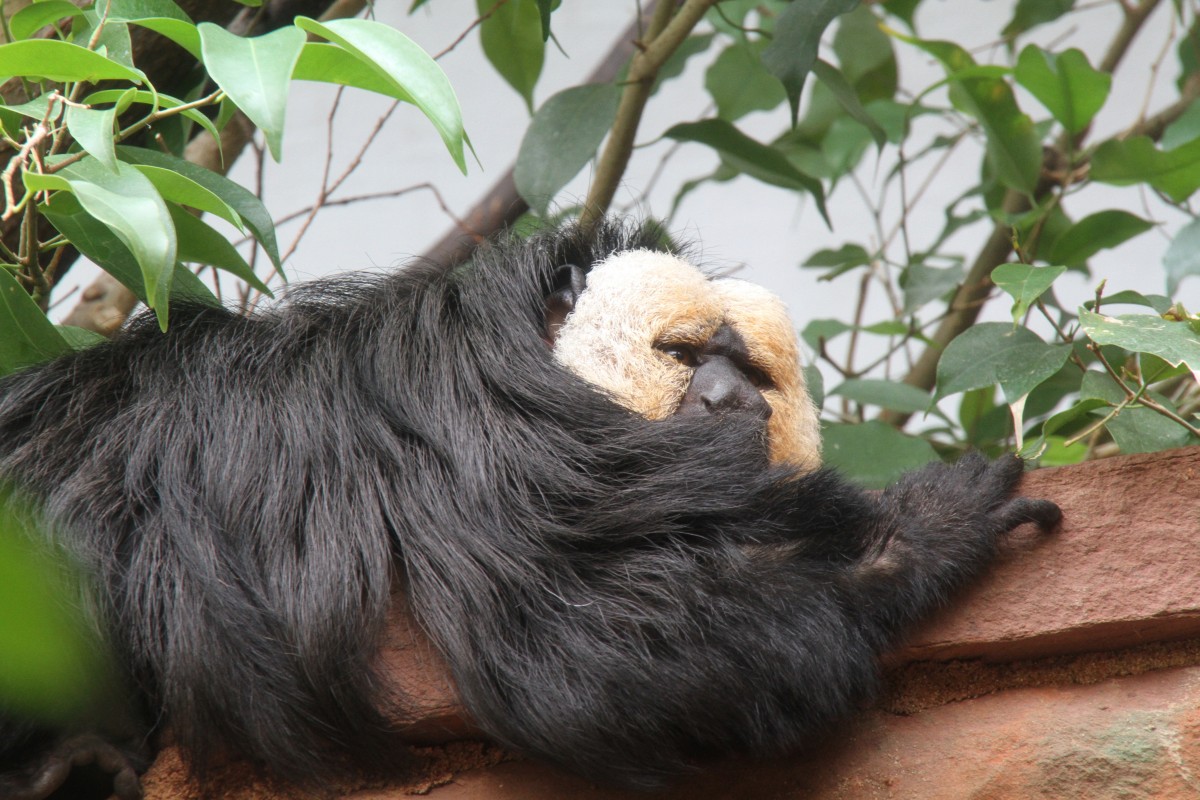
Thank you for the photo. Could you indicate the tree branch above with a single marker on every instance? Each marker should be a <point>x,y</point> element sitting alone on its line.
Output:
<point>502,206</point>
<point>1135,18</point>
<point>663,37</point>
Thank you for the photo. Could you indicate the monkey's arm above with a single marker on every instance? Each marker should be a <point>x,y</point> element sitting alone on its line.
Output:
<point>933,531</point>
<point>743,620</point>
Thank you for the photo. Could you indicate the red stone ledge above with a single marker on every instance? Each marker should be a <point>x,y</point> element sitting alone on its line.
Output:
<point>1124,570</point>
<point>1071,670</point>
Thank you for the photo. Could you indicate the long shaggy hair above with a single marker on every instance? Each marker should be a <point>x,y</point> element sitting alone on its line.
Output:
<point>618,595</point>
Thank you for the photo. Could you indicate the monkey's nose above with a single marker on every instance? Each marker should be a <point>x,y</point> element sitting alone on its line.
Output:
<point>741,396</point>
<point>718,386</point>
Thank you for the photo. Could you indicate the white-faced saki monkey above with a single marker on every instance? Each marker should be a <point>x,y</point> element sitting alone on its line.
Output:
<point>591,471</point>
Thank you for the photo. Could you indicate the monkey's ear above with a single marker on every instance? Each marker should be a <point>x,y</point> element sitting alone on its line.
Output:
<point>569,283</point>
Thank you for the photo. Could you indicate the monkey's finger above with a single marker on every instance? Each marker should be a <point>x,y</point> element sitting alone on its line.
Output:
<point>1004,474</point>
<point>974,463</point>
<point>127,786</point>
<point>1043,513</point>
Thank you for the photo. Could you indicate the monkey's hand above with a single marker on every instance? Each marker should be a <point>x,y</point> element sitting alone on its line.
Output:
<point>936,529</point>
<point>50,771</point>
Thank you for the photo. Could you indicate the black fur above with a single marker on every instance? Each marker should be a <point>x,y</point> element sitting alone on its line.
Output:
<point>616,595</point>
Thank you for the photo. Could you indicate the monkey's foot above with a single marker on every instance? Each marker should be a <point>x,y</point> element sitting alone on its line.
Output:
<point>85,765</point>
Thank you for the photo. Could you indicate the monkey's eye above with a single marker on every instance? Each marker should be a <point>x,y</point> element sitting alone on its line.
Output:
<point>683,353</point>
<point>758,378</point>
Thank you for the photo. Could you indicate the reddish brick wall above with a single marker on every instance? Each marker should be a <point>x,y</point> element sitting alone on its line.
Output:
<point>1071,670</point>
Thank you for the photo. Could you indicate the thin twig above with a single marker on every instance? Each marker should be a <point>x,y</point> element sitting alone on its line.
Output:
<point>479,21</point>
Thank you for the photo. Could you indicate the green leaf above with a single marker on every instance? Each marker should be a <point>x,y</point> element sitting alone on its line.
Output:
<point>819,330</point>
<point>545,7</point>
<point>842,260</point>
<point>977,413</point>
<point>53,667</point>
<point>511,35</point>
<point>844,146</point>
<point>562,137</point>
<point>178,188</point>
<point>1173,342</point>
<point>396,66</point>
<point>844,92</point>
<point>80,338</point>
<point>1031,13</point>
<point>255,73</point>
<point>1183,130</point>
<point>200,244</point>
<point>885,394</point>
<point>98,242</point>
<point>749,157</point>
<point>1123,162</point>
<point>138,10</point>
<point>1014,150</point>
<point>127,202</point>
<point>28,336</point>
<point>991,353</point>
<point>56,60</point>
<point>866,55</point>
<point>93,131</point>
<point>161,16</point>
<point>1094,233</point>
<point>32,18</point>
<point>873,453</point>
<point>248,206</point>
<point>1183,255</point>
<point>1142,430</point>
<point>889,327</point>
<point>923,284</point>
<point>1025,283</point>
<point>1065,84</point>
<point>798,31</point>
<point>1160,303</point>
<point>738,83</point>
<point>903,9</point>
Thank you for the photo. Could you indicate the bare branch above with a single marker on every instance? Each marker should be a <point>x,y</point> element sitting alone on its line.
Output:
<point>663,37</point>
<point>502,205</point>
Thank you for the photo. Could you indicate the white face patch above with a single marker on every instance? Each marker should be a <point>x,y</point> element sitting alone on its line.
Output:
<point>638,300</point>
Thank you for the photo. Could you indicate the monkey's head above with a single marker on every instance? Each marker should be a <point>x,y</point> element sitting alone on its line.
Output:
<point>661,338</point>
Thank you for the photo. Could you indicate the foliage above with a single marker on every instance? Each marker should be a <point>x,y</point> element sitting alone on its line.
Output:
<point>128,208</point>
<point>52,663</point>
<point>1059,383</point>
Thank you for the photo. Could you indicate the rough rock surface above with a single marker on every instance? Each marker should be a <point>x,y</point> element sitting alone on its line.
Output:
<point>1125,568</point>
<point>1071,670</point>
